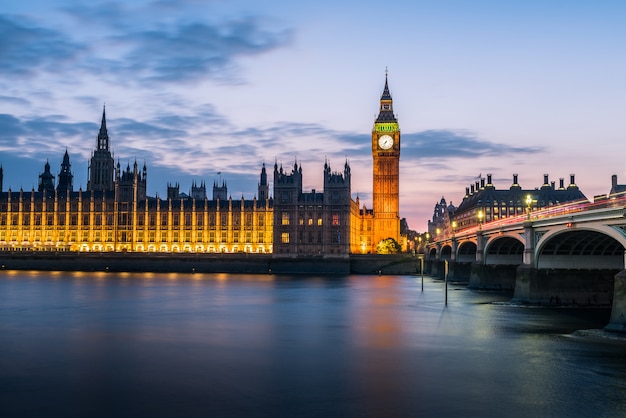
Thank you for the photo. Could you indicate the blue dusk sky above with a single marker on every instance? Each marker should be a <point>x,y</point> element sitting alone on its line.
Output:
<point>194,87</point>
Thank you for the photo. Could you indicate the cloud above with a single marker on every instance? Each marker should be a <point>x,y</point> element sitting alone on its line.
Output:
<point>26,49</point>
<point>131,45</point>
<point>14,101</point>
<point>454,144</point>
<point>138,45</point>
<point>186,52</point>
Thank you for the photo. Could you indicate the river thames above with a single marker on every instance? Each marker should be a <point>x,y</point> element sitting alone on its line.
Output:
<point>130,345</point>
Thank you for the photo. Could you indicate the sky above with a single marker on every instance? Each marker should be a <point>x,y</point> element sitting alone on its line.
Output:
<point>194,87</point>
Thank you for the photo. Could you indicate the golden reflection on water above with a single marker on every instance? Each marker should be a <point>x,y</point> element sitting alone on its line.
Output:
<point>377,321</point>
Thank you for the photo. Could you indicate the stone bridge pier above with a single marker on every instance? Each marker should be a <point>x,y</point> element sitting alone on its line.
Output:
<point>617,323</point>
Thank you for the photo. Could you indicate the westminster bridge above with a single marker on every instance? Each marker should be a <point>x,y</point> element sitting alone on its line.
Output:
<point>573,253</point>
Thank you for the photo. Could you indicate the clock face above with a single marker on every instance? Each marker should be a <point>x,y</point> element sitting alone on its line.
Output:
<point>385,142</point>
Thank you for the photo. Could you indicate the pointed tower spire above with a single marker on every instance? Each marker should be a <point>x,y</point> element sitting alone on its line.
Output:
<point>386,104</point>
<point>102,165</point>
<point>263,189</point>
<point>103,135</point>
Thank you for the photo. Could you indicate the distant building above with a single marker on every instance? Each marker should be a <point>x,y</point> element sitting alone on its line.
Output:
<point>494,204</point>
<point>442,215</point>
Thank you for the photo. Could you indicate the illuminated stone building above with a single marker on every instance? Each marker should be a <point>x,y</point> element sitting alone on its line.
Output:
<point>312,223</point>
<point>370,226</point>
<point>115,213</point>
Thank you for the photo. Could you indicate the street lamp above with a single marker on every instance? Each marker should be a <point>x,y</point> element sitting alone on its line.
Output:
<point>529,201</point>
<point>453,228</point>
<point>480,216</point>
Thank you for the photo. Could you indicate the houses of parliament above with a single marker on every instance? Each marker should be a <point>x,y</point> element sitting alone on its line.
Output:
<point>115,213</point>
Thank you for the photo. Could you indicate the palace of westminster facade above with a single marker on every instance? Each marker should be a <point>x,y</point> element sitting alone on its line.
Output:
<point>116,214</point>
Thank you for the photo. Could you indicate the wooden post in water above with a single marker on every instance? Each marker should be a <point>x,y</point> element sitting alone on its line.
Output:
<point>422,265</point>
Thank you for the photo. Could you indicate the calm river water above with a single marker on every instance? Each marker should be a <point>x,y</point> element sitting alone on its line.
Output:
<point>131,345</point>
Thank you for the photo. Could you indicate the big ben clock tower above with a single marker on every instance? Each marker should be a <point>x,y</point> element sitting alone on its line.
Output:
<point>386,155</point>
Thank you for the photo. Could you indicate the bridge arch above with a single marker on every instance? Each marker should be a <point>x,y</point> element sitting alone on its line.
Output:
<point>432,253</point>
<point>446,252</point>
<point>504,249</point>
<point>600,247</point>
<point>466,252</point>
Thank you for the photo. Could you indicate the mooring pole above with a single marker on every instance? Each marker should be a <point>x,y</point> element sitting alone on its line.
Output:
<point>422,265</point>
<point>445,278</point>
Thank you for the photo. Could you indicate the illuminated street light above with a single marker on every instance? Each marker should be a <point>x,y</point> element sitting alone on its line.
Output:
<point>453,228</point>
<point>529,201</point>
<point>480,216</point>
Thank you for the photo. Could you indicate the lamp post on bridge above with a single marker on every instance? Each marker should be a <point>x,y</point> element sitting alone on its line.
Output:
<point>529,202</point>
<point>454,243</point>
<point>479,238</point>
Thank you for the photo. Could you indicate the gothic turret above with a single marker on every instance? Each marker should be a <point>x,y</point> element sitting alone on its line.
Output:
<point>46,179</point>
<point>65,175</point>
<point>198,191</point>
<point>173,190</point>
<point>130,185</point>
<point>263,186</point>
<point>220,192</point>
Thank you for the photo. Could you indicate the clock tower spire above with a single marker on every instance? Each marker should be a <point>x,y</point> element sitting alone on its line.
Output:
<point>386,170</point>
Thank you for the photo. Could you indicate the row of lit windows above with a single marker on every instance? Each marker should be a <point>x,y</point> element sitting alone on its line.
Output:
<point>285,219</point>
<point>141,237</point>
<point>335,238</point>
<point>124,219</point>
<point>60,207</point>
